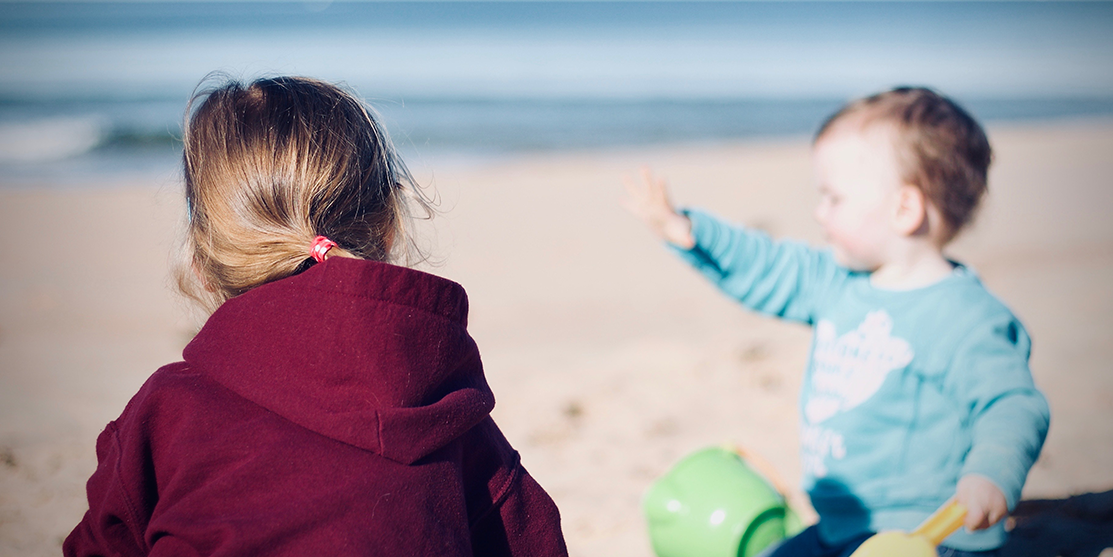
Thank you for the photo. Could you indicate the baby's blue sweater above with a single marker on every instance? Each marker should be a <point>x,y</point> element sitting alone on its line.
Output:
<point>905,391</point>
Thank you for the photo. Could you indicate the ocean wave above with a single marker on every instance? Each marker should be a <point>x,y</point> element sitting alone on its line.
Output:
<point>50,139</point>
<point>137,139</point>
<point>56,138</point>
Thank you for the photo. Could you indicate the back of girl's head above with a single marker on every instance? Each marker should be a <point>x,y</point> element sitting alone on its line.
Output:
<point>274,163</point>
<point>940,148</point>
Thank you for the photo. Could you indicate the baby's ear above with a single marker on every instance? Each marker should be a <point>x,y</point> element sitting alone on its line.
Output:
<point>910,216</point>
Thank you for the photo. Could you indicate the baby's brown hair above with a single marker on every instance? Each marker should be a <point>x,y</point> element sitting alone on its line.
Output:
<point>271,165</point>
<point>940,148</point>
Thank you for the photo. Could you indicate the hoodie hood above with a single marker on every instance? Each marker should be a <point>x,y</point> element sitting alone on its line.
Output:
<point>367,353</point>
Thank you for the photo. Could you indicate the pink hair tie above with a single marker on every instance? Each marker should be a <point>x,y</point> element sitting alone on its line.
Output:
<point>320,248</point>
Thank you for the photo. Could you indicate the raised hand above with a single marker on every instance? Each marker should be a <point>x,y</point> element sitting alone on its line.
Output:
<point>985,504</point>
<point>649,201</point>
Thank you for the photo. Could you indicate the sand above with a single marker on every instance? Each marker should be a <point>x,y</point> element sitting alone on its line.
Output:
<point>610,360</point>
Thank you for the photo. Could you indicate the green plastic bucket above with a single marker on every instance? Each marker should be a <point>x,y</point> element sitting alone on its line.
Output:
<point>714,504</point>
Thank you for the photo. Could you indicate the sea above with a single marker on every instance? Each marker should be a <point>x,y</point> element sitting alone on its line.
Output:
<point>94,92</point>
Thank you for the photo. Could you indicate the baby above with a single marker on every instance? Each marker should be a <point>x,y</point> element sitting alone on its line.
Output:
<point>917,387</point>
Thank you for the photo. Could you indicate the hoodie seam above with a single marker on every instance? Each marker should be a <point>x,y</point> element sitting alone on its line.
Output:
<point>503,492</point>
<point>129,505</point>
<point>379,431</point>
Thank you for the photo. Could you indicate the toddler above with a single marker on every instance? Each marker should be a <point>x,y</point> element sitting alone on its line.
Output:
<point>917,387</point>
<point>333,404</point>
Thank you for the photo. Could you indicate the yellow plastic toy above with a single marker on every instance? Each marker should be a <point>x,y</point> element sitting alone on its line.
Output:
<point>922,541</point>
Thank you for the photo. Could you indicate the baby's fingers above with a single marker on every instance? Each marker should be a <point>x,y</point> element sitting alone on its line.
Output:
<point>647,187</point>
<point>646,196</point>
<point>977,518</point>
<point>635,198</point>
<point>985,504</point>
<point>633,190</point>
<point>654,186</point>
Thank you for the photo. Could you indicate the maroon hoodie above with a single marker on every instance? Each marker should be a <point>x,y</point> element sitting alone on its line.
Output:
<point>342,411</point>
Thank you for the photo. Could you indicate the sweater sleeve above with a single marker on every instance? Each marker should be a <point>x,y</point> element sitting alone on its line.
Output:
<point>780,278</point>
<point>110,526</point>
<point>1009,417</point>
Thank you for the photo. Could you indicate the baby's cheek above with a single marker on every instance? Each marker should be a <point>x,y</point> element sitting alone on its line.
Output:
<point>844,255</point>
<point>848,243</point>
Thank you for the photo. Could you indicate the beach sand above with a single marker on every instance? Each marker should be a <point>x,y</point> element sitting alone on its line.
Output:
<point>610,359</point>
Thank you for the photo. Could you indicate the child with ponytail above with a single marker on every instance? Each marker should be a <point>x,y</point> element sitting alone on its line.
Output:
<point>333,403</point>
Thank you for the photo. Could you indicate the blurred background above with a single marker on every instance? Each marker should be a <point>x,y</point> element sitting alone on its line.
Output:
<point>610,360</point>
<point>99,87</point>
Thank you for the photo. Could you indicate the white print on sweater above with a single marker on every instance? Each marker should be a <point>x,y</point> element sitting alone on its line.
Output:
<point>817,444</point>
<point>849,369</point>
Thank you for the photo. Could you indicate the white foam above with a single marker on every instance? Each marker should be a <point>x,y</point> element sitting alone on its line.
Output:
<point>49,139</point>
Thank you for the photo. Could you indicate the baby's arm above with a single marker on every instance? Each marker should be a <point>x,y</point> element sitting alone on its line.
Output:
<point>1009,419</point>
<point>781,278</point>
<point>649,201</point>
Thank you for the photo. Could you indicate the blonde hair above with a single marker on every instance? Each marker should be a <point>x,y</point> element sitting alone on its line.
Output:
<point>941,148</point>
<point>270,165</point>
